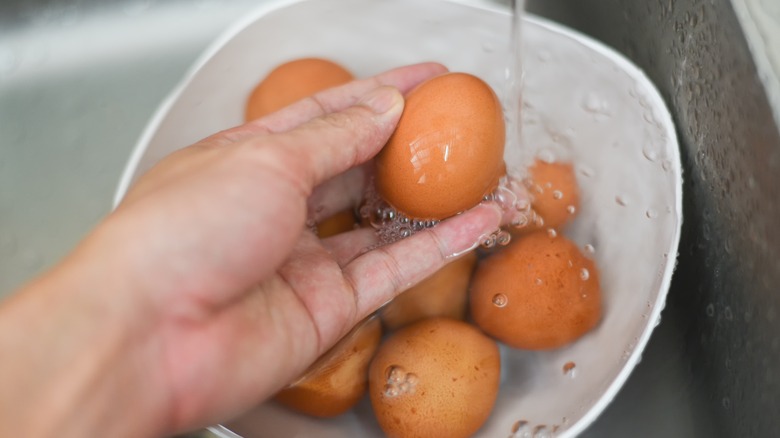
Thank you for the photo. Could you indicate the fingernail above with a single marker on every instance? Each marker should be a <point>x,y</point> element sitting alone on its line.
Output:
<point>383,100</point>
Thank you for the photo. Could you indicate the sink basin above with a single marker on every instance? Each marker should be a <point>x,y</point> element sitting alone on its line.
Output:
<point>80,79</point>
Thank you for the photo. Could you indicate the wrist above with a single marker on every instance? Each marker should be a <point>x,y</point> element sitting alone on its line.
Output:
<point>74,356</point>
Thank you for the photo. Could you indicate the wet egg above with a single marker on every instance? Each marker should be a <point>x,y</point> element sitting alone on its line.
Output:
<point>292,81</point>
<point>445,293</point>
<point>338,380</point>
<point>435,378</point>
<point>447,150</point>
<point>540,292</point>
<point>555,195</point>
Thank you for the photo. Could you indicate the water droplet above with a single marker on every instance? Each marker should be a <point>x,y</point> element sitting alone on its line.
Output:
<point>503,238</point>
<point>586,171</point>
<point>571,209</point>
<point>538,282</point>
<point>594,104</point>
<point>500,300</point>
<point>546,155</point>
<point>666,165</point>
<point>541,431</point>
<point>557,194</point>
<point>488,241</point>
<point>569,369</point>
<point>621,200</point>
<point>543,55</point>
<point>651,213</point>
<point>649,152</point>
<point>552,233</point>
<point>521,429</point>
<point>590,249</point>
<point>584,274</point>
<point>726,402</point>
<point>728,314</point>
<point>710,310</point>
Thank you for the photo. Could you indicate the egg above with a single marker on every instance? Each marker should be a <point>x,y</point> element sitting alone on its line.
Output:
<point>340,222</point>
<point>554,192</point>
<point>435,378</point>
<point>447,151</point>
<point>445,293</point>
<point>292,81</point>
<point>338,380</point>
<point>538,293</point>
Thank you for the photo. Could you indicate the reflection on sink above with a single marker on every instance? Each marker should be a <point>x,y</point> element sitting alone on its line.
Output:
<point>79,80</point>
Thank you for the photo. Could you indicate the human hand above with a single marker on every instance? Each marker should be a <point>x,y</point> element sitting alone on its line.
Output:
<point>221,293</point>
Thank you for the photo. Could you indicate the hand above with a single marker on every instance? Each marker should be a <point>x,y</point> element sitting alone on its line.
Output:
<point>204,292</point>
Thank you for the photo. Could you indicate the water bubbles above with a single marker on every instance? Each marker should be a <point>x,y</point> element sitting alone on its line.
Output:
<point>728,314</point>
<point>552,233</point>
<point>519,220</point>
<point>500,300</point>
<point>657,321</point>
<point>622,201</point>
<point>570,369</point>
<point>488,241</point>
<point>571,209</point>
<point>399,382</point>
<point>710,310</point>
<point>584,274</point>
<point>538,282</point>
<point>590,249</point>
<point>557,194</point>
<point>726,402</point>
<point>651,213</point>
<point>666,165</point>
<point>503,238</point>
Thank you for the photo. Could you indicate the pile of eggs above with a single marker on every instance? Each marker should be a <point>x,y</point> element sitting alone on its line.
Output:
<point>429,360</point>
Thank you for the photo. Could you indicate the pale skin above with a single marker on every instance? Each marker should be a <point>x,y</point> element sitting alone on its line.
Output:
<point>204,292</point>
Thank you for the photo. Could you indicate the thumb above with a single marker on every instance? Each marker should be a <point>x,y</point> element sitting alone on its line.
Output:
<point>333,143</point>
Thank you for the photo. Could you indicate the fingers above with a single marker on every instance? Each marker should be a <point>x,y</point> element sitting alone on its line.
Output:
<point>345,247</point>
<point>330,100</point>
<point>338,194</point>
<point>378,275</point>
<point>326,146</point>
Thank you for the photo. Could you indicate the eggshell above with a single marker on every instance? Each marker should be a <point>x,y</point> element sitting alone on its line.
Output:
<point>435,378</point>
<point>340,222</point>
<point>447,151</point>
<point>554,192</point>
<point>292,81</point>
<point>540,292</point>
<point>445,293</point>
<point>338,380</point>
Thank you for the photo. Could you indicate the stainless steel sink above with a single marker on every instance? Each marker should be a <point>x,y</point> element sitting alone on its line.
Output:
<point>80,78</point>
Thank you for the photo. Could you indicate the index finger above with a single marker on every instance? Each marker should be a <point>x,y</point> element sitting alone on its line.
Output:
<point>328,101</point>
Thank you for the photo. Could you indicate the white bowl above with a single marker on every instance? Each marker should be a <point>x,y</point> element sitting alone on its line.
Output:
<point>583,102</point>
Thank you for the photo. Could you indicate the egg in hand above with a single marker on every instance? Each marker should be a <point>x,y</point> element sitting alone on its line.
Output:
<point>447,151</point>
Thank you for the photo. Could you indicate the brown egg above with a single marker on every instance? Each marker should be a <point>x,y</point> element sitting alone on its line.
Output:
<point>444,293</point>
<point>340,222</point>
<point>555,193</point>
<point>338,380</point>
<point>435,378</point>
<point>292,81</point>
<point>447,151</point>
<point>540,292</point>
